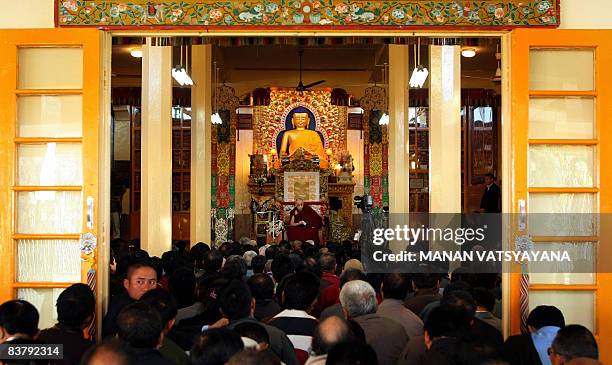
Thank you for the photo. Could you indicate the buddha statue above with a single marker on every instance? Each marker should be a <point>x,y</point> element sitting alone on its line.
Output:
<point>302,137</point>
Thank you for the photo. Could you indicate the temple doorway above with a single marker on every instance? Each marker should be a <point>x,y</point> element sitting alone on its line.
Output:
<point>258,82</point>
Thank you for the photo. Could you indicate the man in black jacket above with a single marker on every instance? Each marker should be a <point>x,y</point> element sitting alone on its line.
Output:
<point>140,326</point>
<point>543,322</point>
<point>491,198</point>
<point>141,277</point>
<point>18,320</point>
<point>238,306</point>
<point>75,310</point>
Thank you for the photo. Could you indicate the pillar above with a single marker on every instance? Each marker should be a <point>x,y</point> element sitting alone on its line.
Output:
<point>399,157</point>
<point>201,129</point>
<point>156,180</point>
<point>445,129</point>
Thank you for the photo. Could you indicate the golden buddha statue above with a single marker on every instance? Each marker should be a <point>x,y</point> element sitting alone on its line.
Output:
<point>302,137</point>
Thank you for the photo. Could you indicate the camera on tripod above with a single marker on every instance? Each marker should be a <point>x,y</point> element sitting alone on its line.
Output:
<point>363,202</point>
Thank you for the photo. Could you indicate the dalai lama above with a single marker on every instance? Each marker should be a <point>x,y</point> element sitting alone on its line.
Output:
<point>305,223</point>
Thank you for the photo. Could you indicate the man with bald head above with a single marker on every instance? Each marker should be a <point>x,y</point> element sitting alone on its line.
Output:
<point>327,334</point>
<point>304,216</point>
<point>304,223</point>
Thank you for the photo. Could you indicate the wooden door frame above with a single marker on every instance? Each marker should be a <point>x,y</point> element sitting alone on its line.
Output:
<point>505,157</point>
<point>521,41</point>
<point>89,41</point>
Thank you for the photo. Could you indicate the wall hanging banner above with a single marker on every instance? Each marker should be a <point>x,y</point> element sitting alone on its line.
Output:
<point>397,14</point>
<point>223,170</point>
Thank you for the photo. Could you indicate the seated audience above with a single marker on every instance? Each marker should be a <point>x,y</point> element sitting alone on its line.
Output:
<point>140,278</point>
<point>109,352</point>
<point>262,290</point>
<point>182,286</point>
<point>426,290</point>
<point>253,335</point>
<point>18,321</point>
<point>253,357</point>
<point>573,343</point>
<point>258,264</point>
<point>336,309</point>
<point>237,305</point>
<point>454,286</point>
<point>165,304</point>
<point>353,264</point>
<point>299,298</point>
<point>141,327</point>
<point>211,263</point>
<point>281,267</point>
<point>460,304</point>
<point>248,259</point>
<point>485,304</point>
<point>386,337</point>
<point>442,329</point>
<point>543,322</point>
<point>215,347</point>
<point>187,329</point>
<point>330,283</point>
<point>330,332</point>
<point>394,290</point>
<point>352,354</point>
<point>75,310</point>
<point>196,254</point>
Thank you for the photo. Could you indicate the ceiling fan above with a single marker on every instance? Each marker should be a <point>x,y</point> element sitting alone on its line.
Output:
<point>300,86</point>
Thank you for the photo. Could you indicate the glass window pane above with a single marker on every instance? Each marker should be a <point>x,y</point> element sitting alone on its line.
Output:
<point>49,212</point>
<point>49,164</point>
<point>576,306</point>
<point>50,116</point>
<point>561,203</point>
<point>561,166</point>
<point>548,69</point>
<point>44,300</point>
<point>581,269</point>
<point>562,214</point>
<point>562,118</point>
<point>50,68</point>
<point>48,260</point>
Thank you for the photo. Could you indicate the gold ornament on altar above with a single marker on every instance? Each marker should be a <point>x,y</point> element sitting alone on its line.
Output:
<point>345,162</point>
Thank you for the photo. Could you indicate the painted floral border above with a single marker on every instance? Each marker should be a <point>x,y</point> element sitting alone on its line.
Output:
<point>308,13</point>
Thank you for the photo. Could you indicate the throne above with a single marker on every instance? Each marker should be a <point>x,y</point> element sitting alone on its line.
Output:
<point>302,178</point>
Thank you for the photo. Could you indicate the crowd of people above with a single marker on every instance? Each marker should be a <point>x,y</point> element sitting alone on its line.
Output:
<point>294,304</point>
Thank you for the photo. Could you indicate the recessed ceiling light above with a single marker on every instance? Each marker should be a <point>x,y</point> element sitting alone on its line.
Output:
<point>136,52</point>
<point>468,52</point>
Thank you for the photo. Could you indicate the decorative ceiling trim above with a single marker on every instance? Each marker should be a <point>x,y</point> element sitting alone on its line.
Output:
<point>307,14</point>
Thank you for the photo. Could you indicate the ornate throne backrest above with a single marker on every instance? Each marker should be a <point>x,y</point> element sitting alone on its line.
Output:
<point>301,162</point>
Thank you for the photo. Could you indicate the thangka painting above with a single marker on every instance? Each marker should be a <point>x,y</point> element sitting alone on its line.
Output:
<point>223,166</point>
<point>301,185</point>
<point>376,147</point>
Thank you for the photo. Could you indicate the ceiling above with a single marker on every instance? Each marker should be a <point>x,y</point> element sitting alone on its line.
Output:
<point>350,66</point>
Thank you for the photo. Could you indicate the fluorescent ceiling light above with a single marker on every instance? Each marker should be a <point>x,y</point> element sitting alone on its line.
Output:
<point>181,76</point>
<point>468,52</point>
<point>384,119</point>
<point>419,75</point>
<point>216,118</point>
<point>136,53</point>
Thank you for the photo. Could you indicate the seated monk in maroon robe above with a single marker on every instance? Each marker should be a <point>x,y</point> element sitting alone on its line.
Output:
<point>304,224</point>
